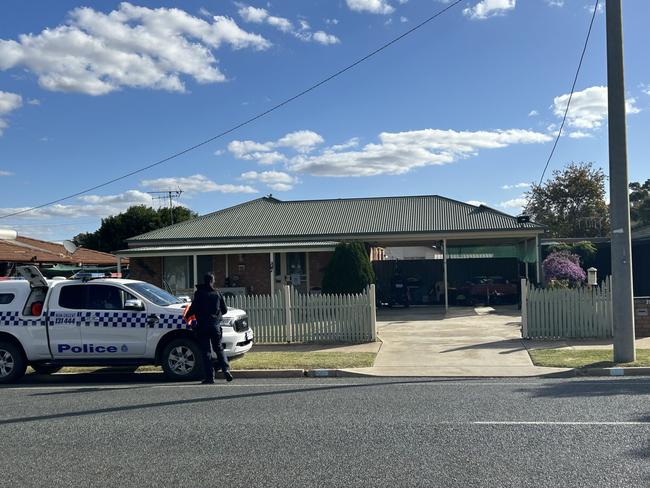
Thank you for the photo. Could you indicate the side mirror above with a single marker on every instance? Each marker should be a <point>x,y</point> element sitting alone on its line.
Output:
<point>134,305</point>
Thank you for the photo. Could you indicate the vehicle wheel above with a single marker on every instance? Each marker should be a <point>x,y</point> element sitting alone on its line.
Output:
<point>45,368</point>
<point>182,361</point>
<point>12,363</point>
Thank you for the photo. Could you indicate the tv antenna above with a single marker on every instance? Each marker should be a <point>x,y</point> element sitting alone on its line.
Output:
<point>166,196</point>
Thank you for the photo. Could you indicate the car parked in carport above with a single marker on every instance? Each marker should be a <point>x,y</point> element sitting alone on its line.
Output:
<point>490,290</point>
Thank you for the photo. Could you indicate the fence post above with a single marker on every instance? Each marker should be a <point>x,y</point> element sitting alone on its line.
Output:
<point>286,289</point>
<point>524,308</point>
<point>373,311</point>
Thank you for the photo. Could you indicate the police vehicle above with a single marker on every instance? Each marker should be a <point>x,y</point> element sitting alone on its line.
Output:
<point>91,321</point>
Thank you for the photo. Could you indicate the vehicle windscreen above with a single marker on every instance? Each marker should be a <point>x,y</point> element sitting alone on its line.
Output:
<point>154,294</point>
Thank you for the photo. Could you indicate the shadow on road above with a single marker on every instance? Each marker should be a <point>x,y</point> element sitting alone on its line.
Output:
<point>592,388</point>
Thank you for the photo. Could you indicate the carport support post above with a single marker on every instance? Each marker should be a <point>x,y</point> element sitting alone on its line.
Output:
<point>372,298</point>
<point>119,265</point>
<point>524,307</point>
<point>444,267</point>
<point>195,269</point>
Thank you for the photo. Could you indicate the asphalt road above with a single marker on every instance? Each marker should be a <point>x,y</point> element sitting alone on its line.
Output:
<point>327,432</point>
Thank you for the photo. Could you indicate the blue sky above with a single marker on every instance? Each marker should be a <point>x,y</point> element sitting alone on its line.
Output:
<point>466,107</point>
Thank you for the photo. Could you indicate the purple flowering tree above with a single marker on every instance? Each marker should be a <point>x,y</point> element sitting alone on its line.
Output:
<point>563,269</point>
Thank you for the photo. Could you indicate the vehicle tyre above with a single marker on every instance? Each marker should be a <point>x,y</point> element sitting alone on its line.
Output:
<point>45,368</point>
<point>182,361</point>
<point>12,363</point>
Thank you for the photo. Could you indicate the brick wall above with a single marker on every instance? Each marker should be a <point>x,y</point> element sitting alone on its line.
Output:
<point>642,316</point>
<point>317,263</point>
<point>254,271</point>
<point>146,269</point>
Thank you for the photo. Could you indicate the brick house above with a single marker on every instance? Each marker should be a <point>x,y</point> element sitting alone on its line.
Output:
<point>258,245</point>
<point>49,256</point>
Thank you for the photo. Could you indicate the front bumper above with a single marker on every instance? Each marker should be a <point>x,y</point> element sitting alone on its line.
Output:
<point>236,343</point>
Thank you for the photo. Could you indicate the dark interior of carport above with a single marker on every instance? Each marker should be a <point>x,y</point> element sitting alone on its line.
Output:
<point>467,261</point>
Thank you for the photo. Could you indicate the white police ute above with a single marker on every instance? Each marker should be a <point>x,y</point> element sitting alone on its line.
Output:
<point>92,321</point>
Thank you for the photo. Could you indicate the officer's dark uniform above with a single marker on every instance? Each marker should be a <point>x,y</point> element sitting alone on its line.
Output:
<point>208,306</point>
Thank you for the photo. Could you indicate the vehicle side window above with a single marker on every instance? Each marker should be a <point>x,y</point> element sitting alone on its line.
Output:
<point>107,297</point>
<point>73,297</point>
<point>6,298</point>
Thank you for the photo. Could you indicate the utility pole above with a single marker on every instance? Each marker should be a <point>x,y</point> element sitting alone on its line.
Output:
<point>622,294</point>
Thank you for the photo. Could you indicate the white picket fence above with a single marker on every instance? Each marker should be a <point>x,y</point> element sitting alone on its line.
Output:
<point>289,316</point>
<point>567,313</point>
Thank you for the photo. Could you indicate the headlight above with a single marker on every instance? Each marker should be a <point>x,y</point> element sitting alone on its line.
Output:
<point>229,322</point>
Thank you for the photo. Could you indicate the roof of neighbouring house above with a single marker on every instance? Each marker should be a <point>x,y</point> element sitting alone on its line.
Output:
<point>272,219</point>
<point>25,249</point>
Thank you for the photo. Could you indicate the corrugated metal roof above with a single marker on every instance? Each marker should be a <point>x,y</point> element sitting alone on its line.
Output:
<point>270,218</point>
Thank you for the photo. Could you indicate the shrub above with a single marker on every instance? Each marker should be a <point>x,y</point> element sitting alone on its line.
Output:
<point>562,269</point>
<point>349,269</point>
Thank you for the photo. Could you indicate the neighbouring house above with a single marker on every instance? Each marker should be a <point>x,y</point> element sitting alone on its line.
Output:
<point>50,257</point>
<point>259,245</point>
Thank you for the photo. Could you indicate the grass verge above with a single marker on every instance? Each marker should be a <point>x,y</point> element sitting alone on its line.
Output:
<point>584,358</point>
<point>271,360</point>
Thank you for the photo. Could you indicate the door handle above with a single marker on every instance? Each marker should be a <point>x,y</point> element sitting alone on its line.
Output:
<point>152,320</point>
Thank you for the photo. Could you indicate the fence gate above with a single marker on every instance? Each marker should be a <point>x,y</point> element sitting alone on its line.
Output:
<point>575,313</point>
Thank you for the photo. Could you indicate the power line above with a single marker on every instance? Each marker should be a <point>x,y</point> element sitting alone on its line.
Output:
<point>573,87</point>
<point>246,122</point>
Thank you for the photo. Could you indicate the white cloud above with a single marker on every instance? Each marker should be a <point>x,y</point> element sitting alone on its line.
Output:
<point>194,184</point>
<point>576,134</point>
<point>8,103</point>
<point>353,142</point>
<point>399,153</point>
<point>302,141</point>
<point>515,204</point>
<point>33,101</point>
<point>371,6</point>
<point>516,185</point>
<point>252,14</point>
<point>588,107</point>
<point>324,38</point>
<point>130,196</point>
<point>555,3</point>
<point>533,113</point>
<point>262,16</point>
<point>403,19</point>
<point>332,21</point>
<point>96,53</point>
<point>6,173</point>
<point>476,203</point>
<point>275,180</point>
<point>489,8</point>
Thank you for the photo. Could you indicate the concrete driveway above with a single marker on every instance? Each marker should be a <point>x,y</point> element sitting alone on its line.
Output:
<point>464,342</point>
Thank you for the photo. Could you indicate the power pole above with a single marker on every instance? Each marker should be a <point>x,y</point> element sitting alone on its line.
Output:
<point>167,195</point>
<point>622,294</point>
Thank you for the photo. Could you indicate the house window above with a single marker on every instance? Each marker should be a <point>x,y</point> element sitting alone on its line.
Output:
<point>178,274</point>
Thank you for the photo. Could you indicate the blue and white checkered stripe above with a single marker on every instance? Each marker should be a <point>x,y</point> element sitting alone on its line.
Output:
<point>172,321</point>
<point>13,319</point>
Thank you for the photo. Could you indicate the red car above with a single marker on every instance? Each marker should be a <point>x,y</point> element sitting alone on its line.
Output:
<point>490,290</point>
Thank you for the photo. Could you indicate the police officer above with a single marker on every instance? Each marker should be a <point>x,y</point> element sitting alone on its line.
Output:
<point>208,306</point>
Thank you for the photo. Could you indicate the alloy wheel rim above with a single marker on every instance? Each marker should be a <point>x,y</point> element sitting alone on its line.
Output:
<point>7,363</point>
<point>181,360</point>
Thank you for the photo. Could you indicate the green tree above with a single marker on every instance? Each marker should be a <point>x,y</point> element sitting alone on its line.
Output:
<point>571,203</point>
<point>640,203</point>
<point>138,219</point>
<point>349,269</point>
